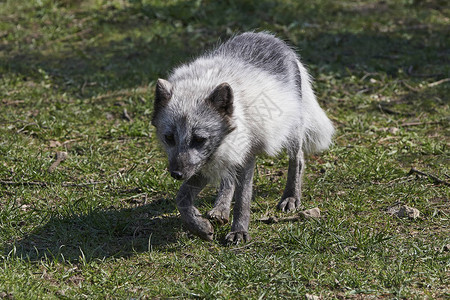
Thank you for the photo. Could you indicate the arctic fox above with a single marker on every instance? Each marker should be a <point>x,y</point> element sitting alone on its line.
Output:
<point>250,95</point>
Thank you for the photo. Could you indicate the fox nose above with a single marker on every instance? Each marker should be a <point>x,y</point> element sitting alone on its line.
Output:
<point>176,174</point>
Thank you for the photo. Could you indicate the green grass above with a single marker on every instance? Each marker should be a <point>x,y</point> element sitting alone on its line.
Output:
<point>105,225</point>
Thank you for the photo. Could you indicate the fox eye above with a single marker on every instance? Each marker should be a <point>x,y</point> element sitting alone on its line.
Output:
<point>198,141</point>
<point>170,140</point>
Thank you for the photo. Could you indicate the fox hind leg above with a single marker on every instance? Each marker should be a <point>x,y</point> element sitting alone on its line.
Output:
<point>290,200</point>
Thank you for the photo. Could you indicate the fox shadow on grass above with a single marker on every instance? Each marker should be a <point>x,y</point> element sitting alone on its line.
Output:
<point>102,233</point>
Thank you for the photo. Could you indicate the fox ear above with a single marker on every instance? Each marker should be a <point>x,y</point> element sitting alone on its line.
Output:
<point>222,99</point>
<point>163,93</point>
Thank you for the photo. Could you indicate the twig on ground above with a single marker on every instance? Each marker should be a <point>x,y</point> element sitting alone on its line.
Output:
<point>60,157</point>
<point>394,181</point>
<point>271,220</point>
<point>131,190</point>
<point>83,184</point>
<point>12,102</point>
<point>305,214</point>
<point>407,124</point>
<point>242,247</point>
<point>435,179</point>
<point>438,82</point>
<point>44,184</point>
<point>392,112</point>
<point>26,125</point>
<point>362,91</point>
<point>126,116</point>
<point>137,199</point>
<point>410,87</point>
<point>369,74</point>
<point>85,83</point>
<point>36,183</point>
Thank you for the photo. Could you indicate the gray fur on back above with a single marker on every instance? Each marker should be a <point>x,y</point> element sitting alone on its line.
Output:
<point>263,51</point>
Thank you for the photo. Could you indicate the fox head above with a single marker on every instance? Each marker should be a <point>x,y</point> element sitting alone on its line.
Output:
<point>191,129</point>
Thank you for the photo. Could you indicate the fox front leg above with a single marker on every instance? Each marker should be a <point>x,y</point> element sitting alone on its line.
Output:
<point>221,211</point>
<point>190,215</point>
<point>241,211</point>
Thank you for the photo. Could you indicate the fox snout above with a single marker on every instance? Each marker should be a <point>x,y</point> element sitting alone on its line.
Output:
<point>177,175</point>
<point>181,167</point>
<point>177,171</point>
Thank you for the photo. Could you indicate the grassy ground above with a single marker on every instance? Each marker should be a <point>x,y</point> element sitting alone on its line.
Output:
<point>104,223</point>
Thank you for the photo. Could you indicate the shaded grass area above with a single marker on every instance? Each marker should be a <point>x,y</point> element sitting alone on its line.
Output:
<point>104,224</point>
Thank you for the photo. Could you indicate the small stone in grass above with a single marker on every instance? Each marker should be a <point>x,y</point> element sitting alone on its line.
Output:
<point>310,213</point>
<point>408,212</point>
<point>311,297</point>
<point>54,144</point>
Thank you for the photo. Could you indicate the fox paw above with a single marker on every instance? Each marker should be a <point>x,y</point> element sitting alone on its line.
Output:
<point>201,227</point>
<point>235,237</point>
<point>219,215</point>
<point>289,204</point>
